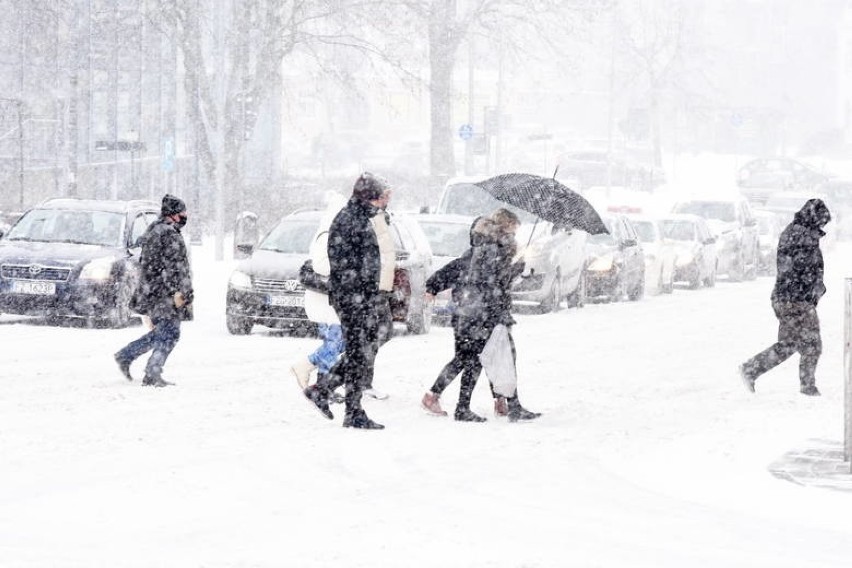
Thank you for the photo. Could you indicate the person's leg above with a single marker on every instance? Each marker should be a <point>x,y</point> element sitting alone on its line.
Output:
<point>166,335</point>
<point>810,349</point>
<point>471,348</point>
<point>515,410</point>
<point>779,351</point>
<point>451,369</point>
<point>327,354</point>
<point>136,348</point>
<point>360,329</point>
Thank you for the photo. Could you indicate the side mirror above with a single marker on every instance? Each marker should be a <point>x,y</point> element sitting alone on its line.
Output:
<point>402,255</point>
<point>627,243</point>
<point>709,240</point>
<point>243,250</point>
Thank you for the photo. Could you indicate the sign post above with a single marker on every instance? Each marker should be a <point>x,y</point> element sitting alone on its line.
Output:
<point>847,372</point>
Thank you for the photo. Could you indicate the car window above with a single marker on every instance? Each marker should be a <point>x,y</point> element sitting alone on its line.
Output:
<point>608,238</point>
<point>140,225</point>
<point>293,236</point>
<point>446,239</point>
<point>646,230</point>
<point>678,230</point>
<point>404,240</point>
<point>103,228</point>
<point>629,231</point>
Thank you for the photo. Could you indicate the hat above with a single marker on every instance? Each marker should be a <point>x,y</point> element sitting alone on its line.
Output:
<point>369,187</point>
<point>172,205</point>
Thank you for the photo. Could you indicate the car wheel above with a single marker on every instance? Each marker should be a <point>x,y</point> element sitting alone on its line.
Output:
<point>737,271</point>
<point>577,299</point>
<point>120,314</point>
<point>237,325</point>
<point>554,298</point>
<point>420,322</point>
<point>710,281</point>
<point>694,282</point>
<point>638,291</point>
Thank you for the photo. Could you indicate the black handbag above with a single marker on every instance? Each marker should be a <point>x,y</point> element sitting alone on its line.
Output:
<point>311,280</point>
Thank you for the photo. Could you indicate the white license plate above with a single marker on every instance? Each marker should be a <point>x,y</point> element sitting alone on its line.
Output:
<point>287,301</point>
<point>36,288</point>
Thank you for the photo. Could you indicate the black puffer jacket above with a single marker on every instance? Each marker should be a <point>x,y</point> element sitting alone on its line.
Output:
<point>800,264</point>
<point>353,254</point>
<point>484,298</point>
<point>165,270</point>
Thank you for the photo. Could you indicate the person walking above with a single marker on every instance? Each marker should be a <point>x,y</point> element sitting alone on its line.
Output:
<point>318,308</point>
<point>798,288</point>
<point>482,293</point>
<point>354,278</point>
<point>164,293</point>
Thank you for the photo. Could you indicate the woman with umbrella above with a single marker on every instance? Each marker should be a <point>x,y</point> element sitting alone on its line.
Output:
<point>482,290</point>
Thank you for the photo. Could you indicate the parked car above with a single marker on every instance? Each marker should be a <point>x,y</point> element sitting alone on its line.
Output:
<point>264,289</point>
<point>760,178</point>
<point>733,224</point>
<point>696,260</point>
<point>785,205</point>
<point>769,228</point>
<point>449,237</point>
<point>616,264</point>
<point>838,193</point>
<point>659,255</point>
<point>554,256</point>
<point>74,258</point>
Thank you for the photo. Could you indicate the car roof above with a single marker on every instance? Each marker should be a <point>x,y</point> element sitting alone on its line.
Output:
<point>465,179</point>
<point>306,214</point>
<point>115,206</point>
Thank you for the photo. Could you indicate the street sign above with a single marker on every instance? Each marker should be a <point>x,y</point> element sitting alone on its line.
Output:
<point>168,163</point>
<point>465,132</point>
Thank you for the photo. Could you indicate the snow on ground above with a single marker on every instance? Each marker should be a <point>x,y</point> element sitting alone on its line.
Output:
<point>650,452</point>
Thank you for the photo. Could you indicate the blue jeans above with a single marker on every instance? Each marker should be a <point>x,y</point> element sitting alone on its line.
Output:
<point>162,339</point>
<point>332,346</point>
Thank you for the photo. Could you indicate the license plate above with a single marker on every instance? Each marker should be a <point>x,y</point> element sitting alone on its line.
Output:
<point>287,301</point>
<point>35,288</point>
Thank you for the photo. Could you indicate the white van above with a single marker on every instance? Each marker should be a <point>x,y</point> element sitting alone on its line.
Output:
<point>554,256</point>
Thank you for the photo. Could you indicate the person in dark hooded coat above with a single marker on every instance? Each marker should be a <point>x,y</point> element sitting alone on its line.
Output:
<point>354,293</point>
<point>164,293</point>
<point>451,276</point>
<point>481,280</point>
<point>798,289</point>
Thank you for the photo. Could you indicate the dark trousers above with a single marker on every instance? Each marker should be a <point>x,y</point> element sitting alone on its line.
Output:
<point>466,361</point>
<point>162,339</point>
<point>354,370</point>
<point>798,331</point>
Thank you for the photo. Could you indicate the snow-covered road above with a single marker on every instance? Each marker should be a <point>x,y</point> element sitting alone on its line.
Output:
<point>650,452</point>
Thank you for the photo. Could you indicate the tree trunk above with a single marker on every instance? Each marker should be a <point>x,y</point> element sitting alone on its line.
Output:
<point>441,63</point>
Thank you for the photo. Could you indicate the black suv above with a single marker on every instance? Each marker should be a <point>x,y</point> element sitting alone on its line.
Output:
<point>74,257</point>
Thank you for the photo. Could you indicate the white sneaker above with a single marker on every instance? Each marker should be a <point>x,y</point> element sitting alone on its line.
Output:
<point>302,370</point>
<point>377,394</point>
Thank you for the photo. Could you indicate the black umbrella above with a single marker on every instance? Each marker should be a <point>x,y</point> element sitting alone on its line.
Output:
<point>546,198</point>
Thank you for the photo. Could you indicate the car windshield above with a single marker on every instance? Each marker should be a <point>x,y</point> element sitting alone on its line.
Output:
<point>291,236</point>
<point>646,231</point>
<point>603,239</point>
<point>446,239</point>
<point>709,210</point>
<point>678,230</point>
<point>102,228</point>
<point>468,199</point>
<point>792,203</point>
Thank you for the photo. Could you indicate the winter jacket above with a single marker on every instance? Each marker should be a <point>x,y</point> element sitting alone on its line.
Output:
<point>800,264</point>
<point>387,250</point>
<point>485,299</point>
<point>164,271</point>
<point>317,306</point>
<point>354,259</point>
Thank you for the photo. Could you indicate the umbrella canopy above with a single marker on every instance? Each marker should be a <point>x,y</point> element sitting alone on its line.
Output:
<point>547,199</point>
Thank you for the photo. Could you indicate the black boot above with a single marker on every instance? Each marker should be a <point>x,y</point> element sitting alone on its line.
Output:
<point>158,382</point>
<point>518,412</point>
<point>467,415</point>
<point>124,367</point>
<point>359,419</point>
<point>319,399</point>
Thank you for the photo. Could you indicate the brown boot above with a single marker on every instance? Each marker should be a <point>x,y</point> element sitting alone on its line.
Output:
<point>431,402</point>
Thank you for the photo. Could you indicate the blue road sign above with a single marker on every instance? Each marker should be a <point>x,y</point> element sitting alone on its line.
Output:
<point>465,131</point>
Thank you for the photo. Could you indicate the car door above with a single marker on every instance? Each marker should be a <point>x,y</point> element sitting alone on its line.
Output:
<point>707,244</point>
<point>634,259</point>
<point>569,250</point>
<point>750,233</point>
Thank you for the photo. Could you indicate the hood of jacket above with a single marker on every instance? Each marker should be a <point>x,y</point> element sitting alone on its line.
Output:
<point>814,214</point>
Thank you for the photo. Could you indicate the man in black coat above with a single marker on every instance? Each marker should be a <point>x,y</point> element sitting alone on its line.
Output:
<point>798,289</point>
<point>353,253</point>
<point>164,293</point>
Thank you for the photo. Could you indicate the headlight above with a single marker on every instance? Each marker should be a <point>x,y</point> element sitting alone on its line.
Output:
<point>601,264</point>
<point>240,280</point>
<point>99,269</point>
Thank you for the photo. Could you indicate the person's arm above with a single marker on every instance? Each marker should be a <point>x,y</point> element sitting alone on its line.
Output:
<point>449,275</point>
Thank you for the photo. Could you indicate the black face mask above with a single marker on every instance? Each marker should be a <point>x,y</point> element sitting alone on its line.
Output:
<point>180,223</point>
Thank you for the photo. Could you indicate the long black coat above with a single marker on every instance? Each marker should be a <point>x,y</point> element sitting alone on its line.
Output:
<point>484,298</point>
<point>353,254</point>
<point>800,264</point>
<point>164,271</point>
